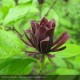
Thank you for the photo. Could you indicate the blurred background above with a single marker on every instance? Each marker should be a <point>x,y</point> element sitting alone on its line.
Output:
<point>18,13</point>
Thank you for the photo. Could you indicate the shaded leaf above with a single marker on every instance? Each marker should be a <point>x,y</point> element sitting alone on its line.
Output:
<point>59,62</point>
<point>66,71</point>
<point>16,65</point>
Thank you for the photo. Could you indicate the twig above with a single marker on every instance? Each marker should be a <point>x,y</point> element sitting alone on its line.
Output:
<point>51,61</point>
<point>50,8</point>
<point>17,32</point>
<point>13,29</point>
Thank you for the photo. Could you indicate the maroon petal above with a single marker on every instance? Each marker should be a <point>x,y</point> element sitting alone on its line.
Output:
<point>40,33</point>
<point>34,25</point>
<point>25,42</point>
<point>44,45</point>
<point>32,34</point>
<point>32,53</point>
<point>50,55</point>
<point>50,34</point>
<point>28,38</point>
<point>43,21</point>
<point>61,42</point>
<point>51,23</point>
<point>60,49</point>
<point>29,31</point>
<point>33,38</point>
<point>60,38</point>
<point>42,59</point>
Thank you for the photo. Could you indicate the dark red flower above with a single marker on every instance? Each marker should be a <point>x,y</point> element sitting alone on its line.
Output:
<point>42,36</point>
<point>41,1</point>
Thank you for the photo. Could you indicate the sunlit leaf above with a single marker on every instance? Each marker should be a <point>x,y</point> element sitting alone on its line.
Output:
<point>70,51</point>
<point>10,44</point>
<point>75,62</point>
<point>59,62</point>
<point>24,1</point>
<point>8,3</point>
<point>16,13</point>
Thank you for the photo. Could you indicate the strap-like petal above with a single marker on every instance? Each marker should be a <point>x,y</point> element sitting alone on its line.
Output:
<point>60,38</point>
<point>51,55</point>
<point>50,33</point>
<point>32,53</point>
<point>33,37</point>
<point>44,45</point>
<point>61,42</point>
<point>40,33</point>
<point>51,23</point>
<point>60,49</point>
<point>34,25</point>
<point>43,21</point>
<point>42,58</point>
<point>26,42</point>
<point>29,39</point>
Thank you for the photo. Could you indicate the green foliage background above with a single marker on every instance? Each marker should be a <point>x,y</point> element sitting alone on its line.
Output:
<point>13,59</point>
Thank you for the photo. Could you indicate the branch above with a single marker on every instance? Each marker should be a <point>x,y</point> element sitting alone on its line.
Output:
<point>13,29</point>
<point>50,8</point>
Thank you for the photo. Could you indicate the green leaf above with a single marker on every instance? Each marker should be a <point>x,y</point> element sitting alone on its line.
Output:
<point>67,77</point>
<point>75,62</point>
<point>8,3</point>
<point>16,65</point>
<point>24,1</point>
<point>65,71</point>
<point>71,51</point>
<point>16,13</point>
<point>10,44</point>
<point>59,62</point>
<point>65,22</point>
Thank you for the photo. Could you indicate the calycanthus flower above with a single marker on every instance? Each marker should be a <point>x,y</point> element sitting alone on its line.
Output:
<point>42,36</point>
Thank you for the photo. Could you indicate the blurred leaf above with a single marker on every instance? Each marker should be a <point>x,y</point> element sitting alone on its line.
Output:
<point>59,62</point>
<point>70,51</point>
<point>75,62</point>
<point>10,44</point>
<point>4,10</point>
<point>16,65</point>
<point>1,15</point>
<point>51,15</point>
<point>65,22</point>
<point>67,77</point>
<point>24,1</point>
<point>16,13</point>
<point>8,3</point>
<point>65,71</point>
